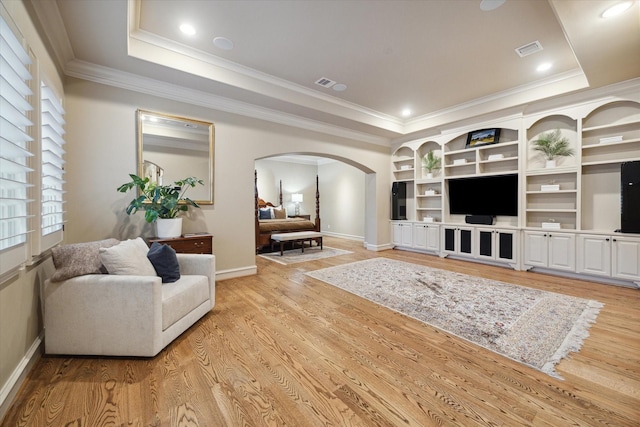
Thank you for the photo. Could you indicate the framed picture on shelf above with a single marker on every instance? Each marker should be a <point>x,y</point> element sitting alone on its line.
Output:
<point>483,137</point>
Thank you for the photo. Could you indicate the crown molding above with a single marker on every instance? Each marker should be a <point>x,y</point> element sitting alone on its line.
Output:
<point>129,81</point>
<point>559,84</point>
<point>51,22</point>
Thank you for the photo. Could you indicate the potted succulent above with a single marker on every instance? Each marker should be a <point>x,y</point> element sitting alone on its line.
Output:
<point>161,203</point>
<point>430,162</point>
<point>552,145</point>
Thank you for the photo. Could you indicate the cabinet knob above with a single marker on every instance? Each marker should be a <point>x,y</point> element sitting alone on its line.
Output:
<point>615,240</point>
<point>607,239</point>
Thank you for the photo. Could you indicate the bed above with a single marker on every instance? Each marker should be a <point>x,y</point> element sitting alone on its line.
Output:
<point>271,218</point>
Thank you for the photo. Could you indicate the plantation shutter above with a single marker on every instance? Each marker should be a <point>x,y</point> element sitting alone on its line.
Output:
<point>52,136</point>
<point>15,143</point>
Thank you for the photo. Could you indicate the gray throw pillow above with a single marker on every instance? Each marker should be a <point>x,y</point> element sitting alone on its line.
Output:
<point>78,259</point>
<point>165,261</point>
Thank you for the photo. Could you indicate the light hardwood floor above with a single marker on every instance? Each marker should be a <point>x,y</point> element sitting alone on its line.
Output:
<point>282,349</point>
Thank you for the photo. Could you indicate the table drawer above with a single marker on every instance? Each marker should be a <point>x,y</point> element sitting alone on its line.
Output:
<point>188,245</point>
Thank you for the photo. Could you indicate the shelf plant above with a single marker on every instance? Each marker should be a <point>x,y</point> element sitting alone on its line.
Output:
<point>552,145</point>
<point>431,162</point>
<point>160,201</point>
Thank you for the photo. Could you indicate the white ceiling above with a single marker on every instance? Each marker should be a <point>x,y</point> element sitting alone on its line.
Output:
<point>446,60</point>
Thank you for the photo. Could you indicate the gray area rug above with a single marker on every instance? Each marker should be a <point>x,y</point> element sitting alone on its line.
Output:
<point>531,326</point>
<point>294,256</point>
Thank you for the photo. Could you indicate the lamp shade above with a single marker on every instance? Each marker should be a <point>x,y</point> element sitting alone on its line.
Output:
<point>296,197</point>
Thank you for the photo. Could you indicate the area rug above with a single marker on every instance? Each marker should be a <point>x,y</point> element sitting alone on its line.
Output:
<point>531,326</point>
<point>294,256</point>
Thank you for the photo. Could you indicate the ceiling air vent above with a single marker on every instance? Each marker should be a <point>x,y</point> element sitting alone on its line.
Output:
<point>529,48</point>
<point>325,82</point>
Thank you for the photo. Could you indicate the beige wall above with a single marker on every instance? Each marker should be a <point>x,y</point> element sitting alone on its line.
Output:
<point>342,195</point>
<point>101,152</point>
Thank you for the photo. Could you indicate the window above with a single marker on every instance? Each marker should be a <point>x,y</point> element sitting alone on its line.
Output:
<point>52,142</point>
<point>15,148</point>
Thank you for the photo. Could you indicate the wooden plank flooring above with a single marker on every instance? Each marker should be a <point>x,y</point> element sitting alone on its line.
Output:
<point>281,349</point>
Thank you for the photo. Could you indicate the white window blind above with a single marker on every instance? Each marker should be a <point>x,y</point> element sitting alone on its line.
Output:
<point>52,135</point>
<point>14,148</point>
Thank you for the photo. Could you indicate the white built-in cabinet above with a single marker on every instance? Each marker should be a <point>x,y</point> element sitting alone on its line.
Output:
<point>609,256</point>
<point>426,237</point>
<point>568,214</point>
<point>555,250</point>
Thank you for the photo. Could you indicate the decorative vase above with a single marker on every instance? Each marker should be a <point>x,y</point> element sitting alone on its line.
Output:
<point>167,228</point>
<point>551,164</point>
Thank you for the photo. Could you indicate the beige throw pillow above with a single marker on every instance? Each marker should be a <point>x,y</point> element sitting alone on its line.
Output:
<point>128,257</point>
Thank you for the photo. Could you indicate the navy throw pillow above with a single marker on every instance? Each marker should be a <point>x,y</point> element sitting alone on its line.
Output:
<point>165,261</point>
<point>265,214</point>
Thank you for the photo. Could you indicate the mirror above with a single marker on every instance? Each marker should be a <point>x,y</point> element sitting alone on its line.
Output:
<point>171,148</point>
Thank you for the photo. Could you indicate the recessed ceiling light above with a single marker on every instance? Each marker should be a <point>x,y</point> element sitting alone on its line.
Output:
<point>188,29</point>
<point>487,5</point>
<point>223,43</point>
<point>617,9</point>
<point>339,87</point>
<point>544,66</point>
<point>406,112</point>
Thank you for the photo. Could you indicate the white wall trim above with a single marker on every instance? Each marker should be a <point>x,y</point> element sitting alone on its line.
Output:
<point>237,272</point>
<point>378,248</point>
<point>343,236</point>
<point>12,386</point>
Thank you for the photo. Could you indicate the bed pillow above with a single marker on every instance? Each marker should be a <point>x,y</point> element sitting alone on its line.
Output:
<point>265,213</point>
<point>128,257</point>
<point>279,213</point>
<point>165,261</point>
<point>78,259</point>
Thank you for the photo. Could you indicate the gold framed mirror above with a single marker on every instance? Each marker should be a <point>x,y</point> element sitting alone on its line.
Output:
<point>171,148</point>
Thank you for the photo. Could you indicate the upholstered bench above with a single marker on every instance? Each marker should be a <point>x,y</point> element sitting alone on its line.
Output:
<point>298,236</point>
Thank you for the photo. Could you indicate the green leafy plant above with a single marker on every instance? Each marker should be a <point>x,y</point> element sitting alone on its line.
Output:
<point>160,201</point>
<point>430,161</point>
<point>552,145</point>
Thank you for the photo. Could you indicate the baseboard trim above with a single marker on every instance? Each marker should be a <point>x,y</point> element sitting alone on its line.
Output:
<point>237,272</point>
<point>343,236</point>
<point>12,386</point>
<point>377,248</point>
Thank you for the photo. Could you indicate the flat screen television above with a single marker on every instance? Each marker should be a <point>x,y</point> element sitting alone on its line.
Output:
<point>487,195</point>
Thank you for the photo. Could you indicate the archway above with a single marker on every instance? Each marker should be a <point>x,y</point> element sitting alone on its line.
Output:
<point>347,190</point>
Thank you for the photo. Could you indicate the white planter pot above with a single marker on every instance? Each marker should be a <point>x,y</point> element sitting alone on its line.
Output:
<point>167,228</point>
<point>550,164</point>
<point>429,175</point>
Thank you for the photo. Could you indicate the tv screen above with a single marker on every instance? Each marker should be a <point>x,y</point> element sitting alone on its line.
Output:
<point>490,195</point>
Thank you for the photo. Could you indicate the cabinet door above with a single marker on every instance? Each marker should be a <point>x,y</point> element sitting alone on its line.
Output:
<point>562,251</point>
<point>407,234</point>
<point>433,238</point>
<point>506,243</point>
<point>396,233</point>
<point>486,244</point>
<point>465,236</point>
<point>594,255</point>
<point>626,258</point>
<point>535,249</point>
<point>449,234</point>
<point>420,236</point>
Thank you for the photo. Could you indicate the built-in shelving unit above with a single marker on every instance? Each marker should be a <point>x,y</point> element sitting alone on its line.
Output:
<point>403,164</point>
<point>551,194</point>
<point>568,214</point>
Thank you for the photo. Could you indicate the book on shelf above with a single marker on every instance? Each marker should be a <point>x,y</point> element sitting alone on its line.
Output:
<point>200,233</point>
<point>609,139</point>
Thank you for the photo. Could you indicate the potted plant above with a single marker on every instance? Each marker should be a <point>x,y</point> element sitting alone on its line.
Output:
<point>430,162</point>
<point>552,145</point>
<point>161,203</point>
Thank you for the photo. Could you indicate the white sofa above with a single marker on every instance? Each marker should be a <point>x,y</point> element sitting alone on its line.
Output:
<point>125,315</point>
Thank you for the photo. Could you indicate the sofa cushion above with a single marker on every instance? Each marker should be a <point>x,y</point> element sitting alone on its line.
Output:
<point>165,261</point>
<point>128,257</point>
<point>183,296</point>
<point>78,259</point>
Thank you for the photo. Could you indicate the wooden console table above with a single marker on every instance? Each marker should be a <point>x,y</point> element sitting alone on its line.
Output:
<point>198,244</point>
